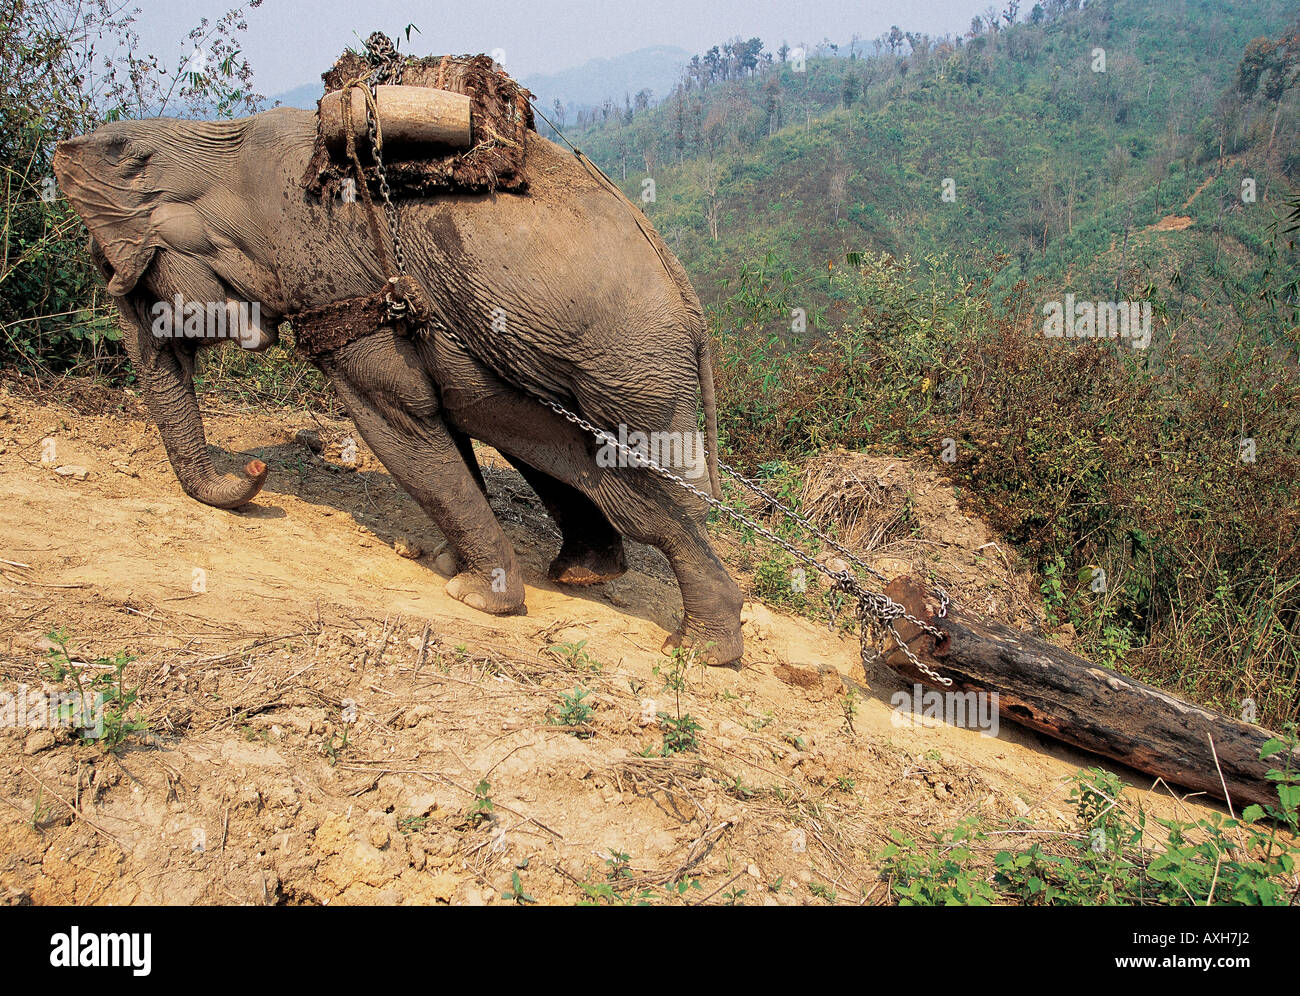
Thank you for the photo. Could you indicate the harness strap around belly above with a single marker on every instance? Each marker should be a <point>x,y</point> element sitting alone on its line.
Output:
<point>402,305</point>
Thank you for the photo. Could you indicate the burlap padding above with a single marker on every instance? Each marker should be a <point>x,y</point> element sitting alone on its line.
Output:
<point>323,330</point>
<point>500,114</point>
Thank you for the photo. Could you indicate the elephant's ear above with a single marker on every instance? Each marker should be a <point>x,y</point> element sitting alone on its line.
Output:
<point>105,177</point>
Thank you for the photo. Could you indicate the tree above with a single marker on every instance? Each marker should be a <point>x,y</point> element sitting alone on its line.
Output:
<point>837,189</point>
<point>679,123</point>
<point>713,63</point>
<point>744,54</point>
<point>851,88</point>
<point>708,175</point>
<point>1276,65</point>
<point>772,103</point>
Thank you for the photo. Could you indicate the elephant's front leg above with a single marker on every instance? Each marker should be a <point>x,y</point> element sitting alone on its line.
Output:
<point>396,410</point>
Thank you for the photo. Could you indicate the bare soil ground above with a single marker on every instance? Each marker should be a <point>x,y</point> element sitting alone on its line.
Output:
<point>323,593</point>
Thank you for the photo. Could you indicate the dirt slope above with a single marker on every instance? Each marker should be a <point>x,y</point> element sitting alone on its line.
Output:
<point>245,793</point>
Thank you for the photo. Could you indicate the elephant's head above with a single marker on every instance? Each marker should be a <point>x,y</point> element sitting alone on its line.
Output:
<point>175,234</point>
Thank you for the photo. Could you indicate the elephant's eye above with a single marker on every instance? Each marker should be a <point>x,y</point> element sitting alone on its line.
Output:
<point>134,159</point>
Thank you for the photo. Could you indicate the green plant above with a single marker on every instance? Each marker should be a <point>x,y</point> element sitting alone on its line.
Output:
<point>39,813</point>
<point>482,807</point>
<point>573,712</point>
<point>336,745</point>
<point>117,717</point>
<point>575,657</point>
<point>680,733</point>
<point>939,874</point>
<point>679,729</point>
<point>412,824</point>
<point>849,707</point>
<point>1121,856</point>
<point>618,866</point>
<point>516,891</point>
<point>823,892</point>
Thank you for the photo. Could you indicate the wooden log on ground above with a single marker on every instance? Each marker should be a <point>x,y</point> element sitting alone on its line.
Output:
<point>1067,698</point>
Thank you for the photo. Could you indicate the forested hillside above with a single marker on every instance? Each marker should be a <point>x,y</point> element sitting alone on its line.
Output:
<point>1104,149</point>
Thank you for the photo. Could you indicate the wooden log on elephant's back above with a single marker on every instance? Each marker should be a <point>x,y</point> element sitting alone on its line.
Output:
<point>1072,700</point>
<point>414,120</point>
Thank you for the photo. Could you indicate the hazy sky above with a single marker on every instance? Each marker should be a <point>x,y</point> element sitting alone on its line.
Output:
<point>290,42</point>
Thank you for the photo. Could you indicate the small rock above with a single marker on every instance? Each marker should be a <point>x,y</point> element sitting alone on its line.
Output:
<point>74,471</point>
<point>649,713</point>
<point>122,467</point>
<point>309,438</point>
<point>250,798</point>
<point>1021,806</point>
<point>420,805</point>
<point>408,548</point>
<point>37,741</point>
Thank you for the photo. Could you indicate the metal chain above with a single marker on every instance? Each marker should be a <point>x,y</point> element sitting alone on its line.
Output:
<point>874,607</point>
<point>849,555</point>
<point>382,54</point>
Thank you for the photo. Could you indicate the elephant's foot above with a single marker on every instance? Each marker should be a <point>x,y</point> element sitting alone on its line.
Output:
<point>718,645</point>
<point>583,565</point>
<point>500,594</point>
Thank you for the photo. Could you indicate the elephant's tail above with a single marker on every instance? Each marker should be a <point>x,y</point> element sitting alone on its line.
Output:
<point>709,398</point>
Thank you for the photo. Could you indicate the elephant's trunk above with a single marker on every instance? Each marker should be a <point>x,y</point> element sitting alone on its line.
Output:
<point>166,375</point>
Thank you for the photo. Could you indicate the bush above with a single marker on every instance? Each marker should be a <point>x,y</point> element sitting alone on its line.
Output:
<point>1167,473</point>
<point>1119,856</point>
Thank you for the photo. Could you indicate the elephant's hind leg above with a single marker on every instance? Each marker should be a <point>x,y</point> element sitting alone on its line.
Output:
<point>637,503</point>
<point>591,550</point>
<point>397,413</point>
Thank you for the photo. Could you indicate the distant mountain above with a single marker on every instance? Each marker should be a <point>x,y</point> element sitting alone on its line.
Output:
<point>304,96</point>
<point>656,69</point>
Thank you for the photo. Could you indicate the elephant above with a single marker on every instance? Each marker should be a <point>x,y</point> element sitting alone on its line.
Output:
<point>562,295</point>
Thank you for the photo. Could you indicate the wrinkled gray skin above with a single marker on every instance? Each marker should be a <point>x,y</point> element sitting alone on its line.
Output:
<point>598,316</point>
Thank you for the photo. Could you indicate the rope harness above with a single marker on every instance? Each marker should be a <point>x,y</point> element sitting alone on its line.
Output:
<point>402,303</point>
